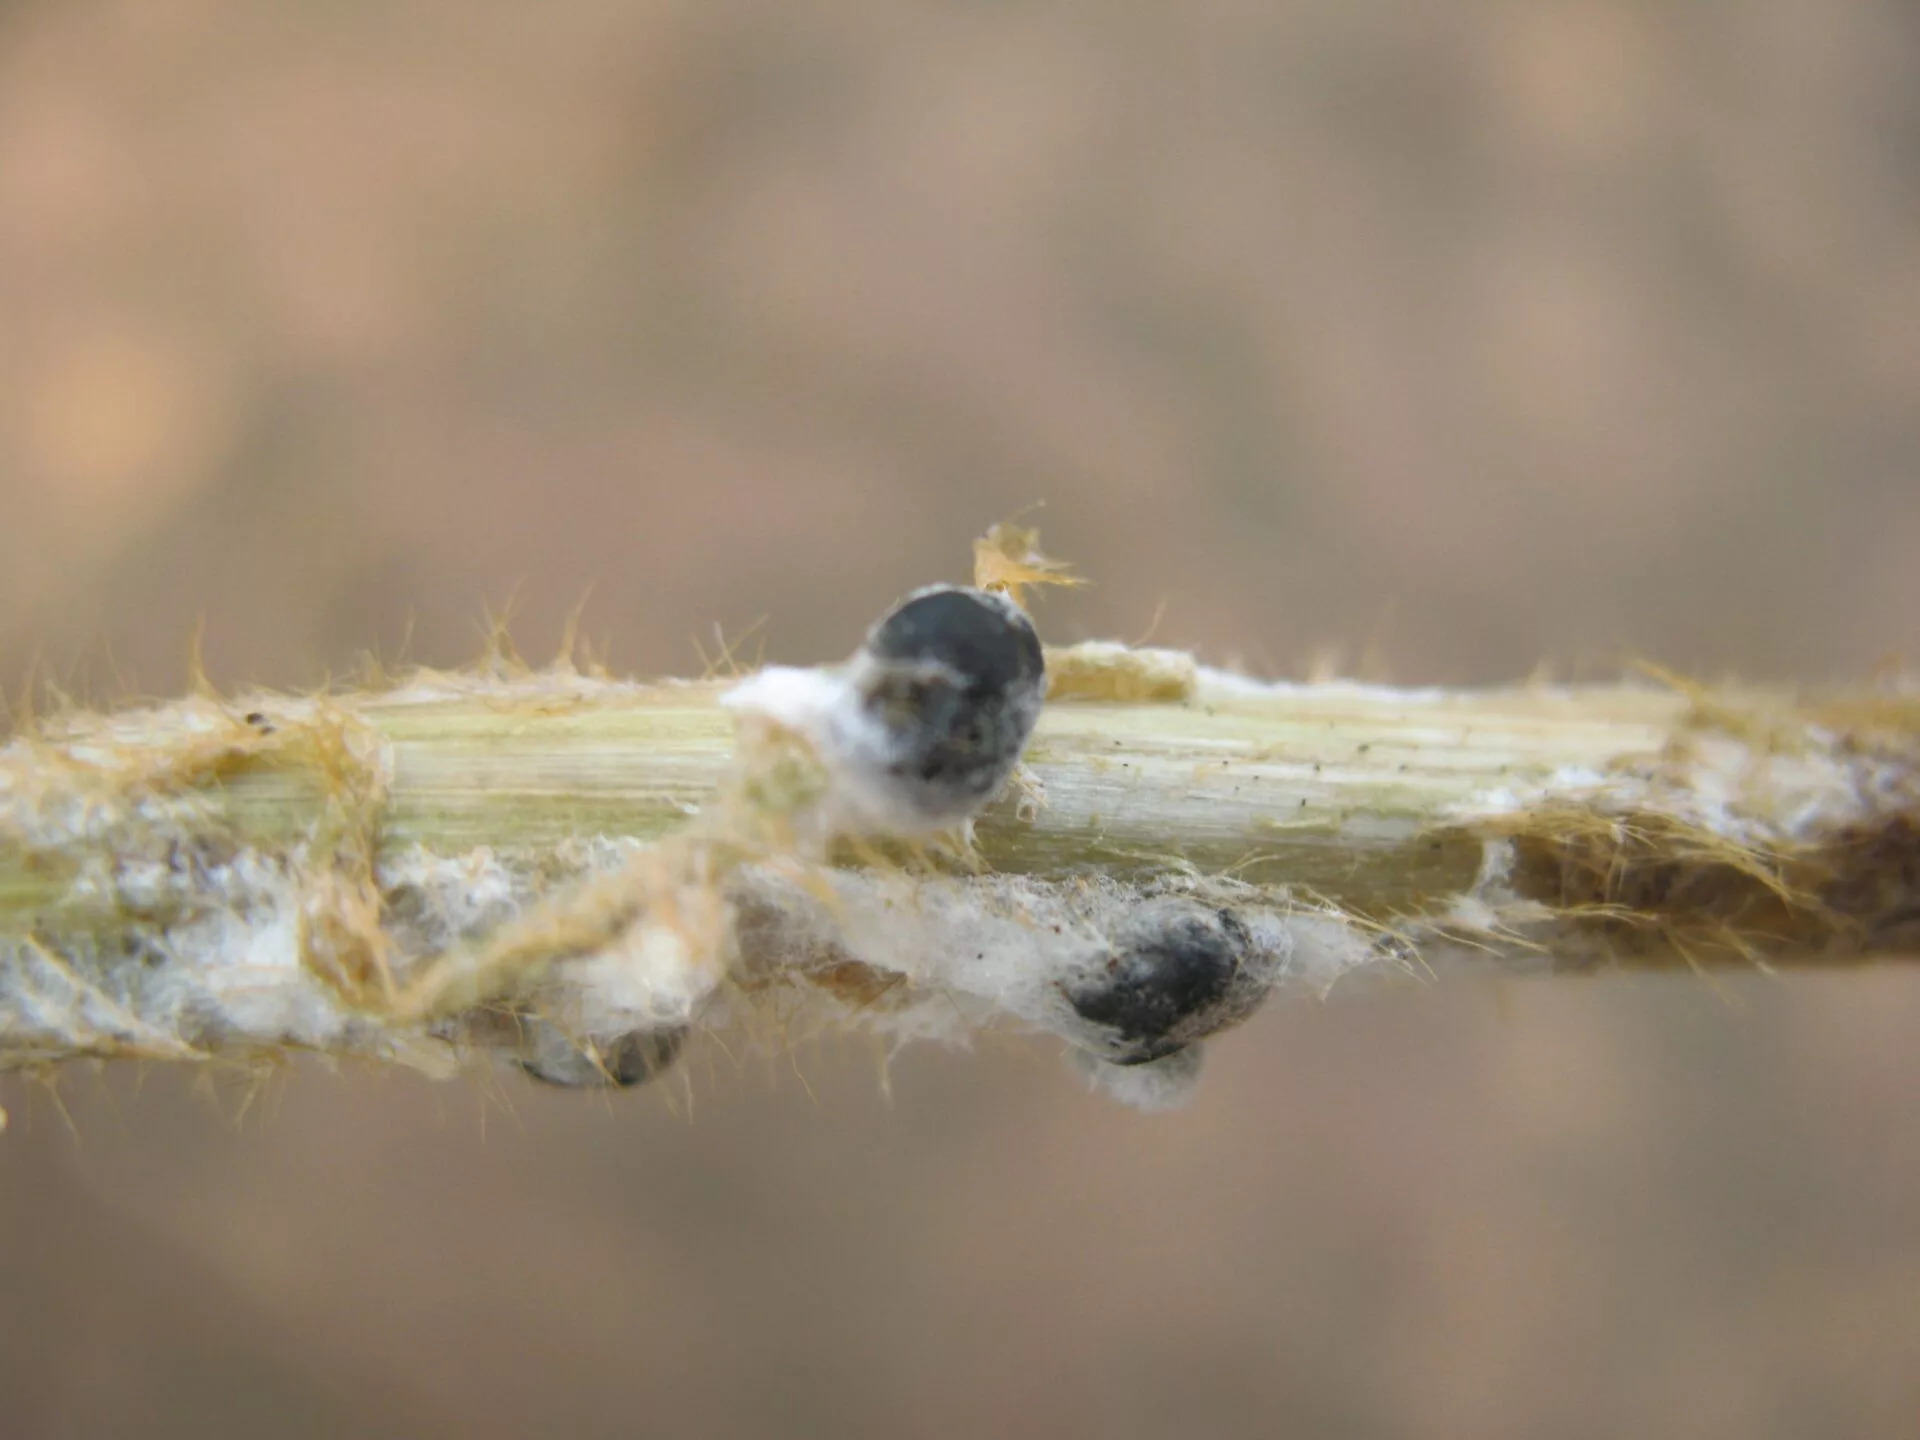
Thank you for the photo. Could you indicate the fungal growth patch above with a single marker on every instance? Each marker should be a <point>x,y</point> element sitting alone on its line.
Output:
<point>574,877</point>
<point>924,724</point>
<point>1128,975</point>
<point>1175,972</point>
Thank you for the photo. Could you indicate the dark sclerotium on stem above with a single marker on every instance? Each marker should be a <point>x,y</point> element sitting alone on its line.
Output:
<point>954,679</point>
<point>549,1054</point>
<point>1177,972</point>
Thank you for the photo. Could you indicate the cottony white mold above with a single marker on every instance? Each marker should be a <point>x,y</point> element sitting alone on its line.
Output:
<point>1164,1084</point>
<point>1132,978</point>
<point>924,724</point>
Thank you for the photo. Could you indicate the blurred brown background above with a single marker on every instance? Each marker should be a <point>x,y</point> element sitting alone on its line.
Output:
<point>1468,335</point>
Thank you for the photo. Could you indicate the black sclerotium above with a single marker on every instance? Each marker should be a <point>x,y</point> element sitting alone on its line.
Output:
<point>547,1053</point>
<point>956,678</point>
<point>1174,976</point>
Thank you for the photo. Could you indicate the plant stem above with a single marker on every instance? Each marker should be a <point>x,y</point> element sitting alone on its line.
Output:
<point>206,878</point>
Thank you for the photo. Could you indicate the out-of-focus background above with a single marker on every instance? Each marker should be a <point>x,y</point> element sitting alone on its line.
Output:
<point>1466,337</point>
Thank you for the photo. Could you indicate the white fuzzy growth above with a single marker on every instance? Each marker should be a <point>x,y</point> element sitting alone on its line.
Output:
<point>228,977</point>
<point>825,707</point>
<point>1320,948</point>
<point>249,981</point>
<point>1216,684</point>
<point>967,954</point>
<point>652,980</point>
<point>978,951</point>
<point>1725,784</point>
<point>182,942</point>
<point>891,771</point>
<point>802,700</point>
<point>1164,1084</point>
<point>648,978</point>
